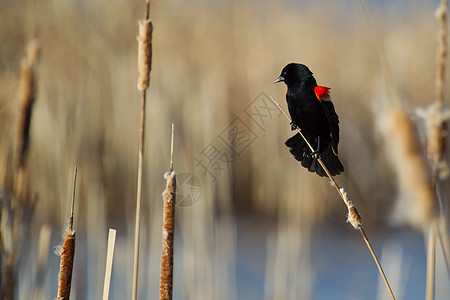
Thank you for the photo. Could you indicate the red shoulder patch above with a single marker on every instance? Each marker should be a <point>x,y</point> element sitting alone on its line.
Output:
<point>322,93</point>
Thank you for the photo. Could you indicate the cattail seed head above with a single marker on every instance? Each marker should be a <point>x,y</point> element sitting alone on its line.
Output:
<point>168,234</point>
<point>67,252</point>
<point>144,53</point>
<point>416,204</point>
<point>33,52</point>
<point>353,216</point>
<point>26,100</point>
<point>436,119</point>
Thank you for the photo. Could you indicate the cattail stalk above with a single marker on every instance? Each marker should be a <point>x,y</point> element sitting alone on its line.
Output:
<point>353,215</point>
<point>436,123</point>
<point>67,253</point>
<point>138,197</point>
<point>144,67</point>
<point>168,234</point>
<point>436,115</point>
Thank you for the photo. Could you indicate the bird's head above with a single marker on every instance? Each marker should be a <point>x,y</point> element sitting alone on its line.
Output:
<point>295,74</point>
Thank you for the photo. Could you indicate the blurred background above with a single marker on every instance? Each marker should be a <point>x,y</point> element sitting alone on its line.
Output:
<point>251,223</point>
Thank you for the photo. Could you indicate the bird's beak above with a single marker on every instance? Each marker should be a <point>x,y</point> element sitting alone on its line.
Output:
<point>280,78</point>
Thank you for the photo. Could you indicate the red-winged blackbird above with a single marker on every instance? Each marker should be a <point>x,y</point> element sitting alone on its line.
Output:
<point>313,112</point>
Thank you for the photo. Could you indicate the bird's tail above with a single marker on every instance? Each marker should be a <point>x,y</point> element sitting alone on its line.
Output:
<point>302,153</point>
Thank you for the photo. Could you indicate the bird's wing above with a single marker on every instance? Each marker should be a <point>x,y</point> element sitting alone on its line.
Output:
<point>323,95</point>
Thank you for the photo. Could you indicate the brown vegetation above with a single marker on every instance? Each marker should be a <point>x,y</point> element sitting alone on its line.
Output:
<point>210,62</point>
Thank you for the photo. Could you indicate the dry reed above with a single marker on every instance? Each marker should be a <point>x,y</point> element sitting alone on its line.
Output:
<point>431,262</point>
<point>67,253</point>
<point>415,185</point>
<point>109,263</point>
<point>144,68</point>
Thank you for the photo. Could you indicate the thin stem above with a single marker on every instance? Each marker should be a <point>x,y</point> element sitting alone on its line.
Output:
<point>147,9</point>
<point>171,149</point>
<point>139,195</point>
<point>75,172</point>
<point>431,261</point>
<point>380,268</point>
<point>144,67</point>
<point>443,244</point>
<point>346,201</point>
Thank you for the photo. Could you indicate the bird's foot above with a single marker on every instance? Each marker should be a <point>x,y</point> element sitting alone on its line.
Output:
<point>315,153</point>
<point>293,126</point>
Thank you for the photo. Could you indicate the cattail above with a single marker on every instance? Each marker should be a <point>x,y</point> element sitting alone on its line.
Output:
<point>33,52</point>
<point>27,97</point>
<point>67,253</point>
<point>441,15</point>
<point>14,224</point>
<point>436,119</point>
<point>416,200</point>
<point>144,66</point>
<point>353,216</point>
<point>144,53</point>
<point>436,115</point>
<point>166,278</point>
<point>168,234</point>
<point>26,100</point>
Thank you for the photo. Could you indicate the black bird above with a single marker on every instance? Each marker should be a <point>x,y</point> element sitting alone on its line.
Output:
<point>313,113</point>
